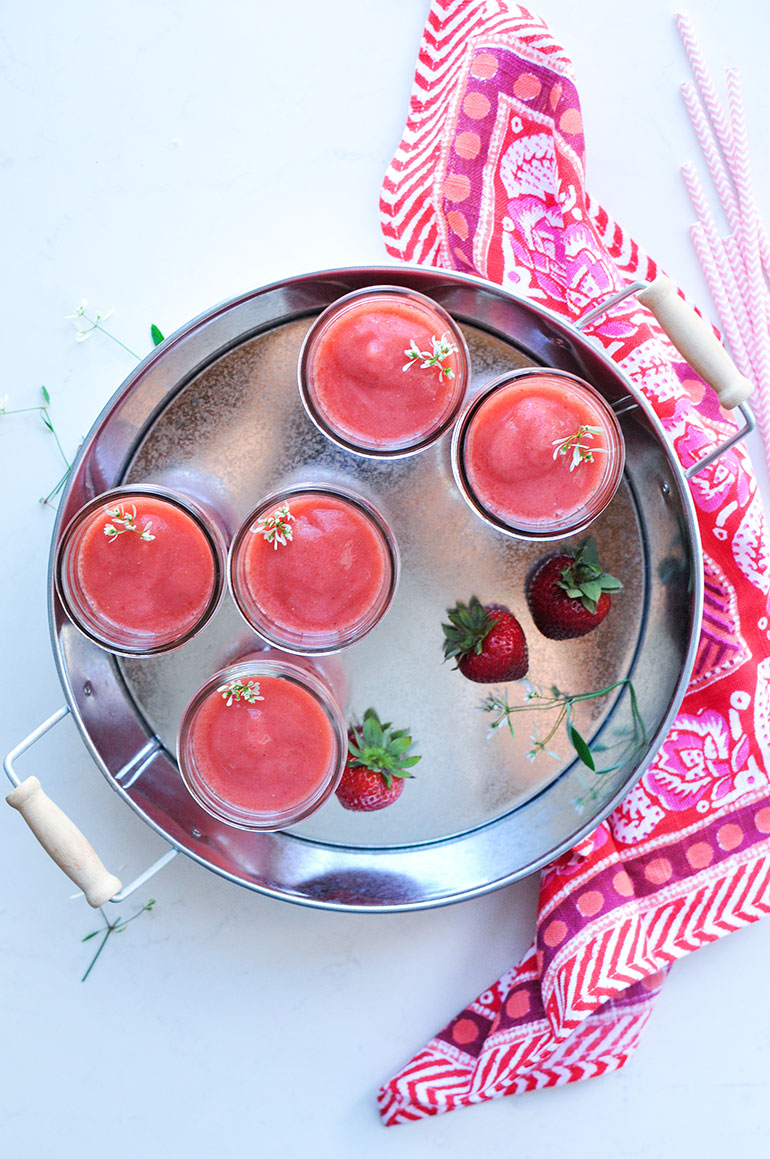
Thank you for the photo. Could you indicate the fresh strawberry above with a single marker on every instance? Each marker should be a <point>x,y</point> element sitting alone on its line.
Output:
<point>488,641</point>
<point>569,594</point>
<point>377,765</point>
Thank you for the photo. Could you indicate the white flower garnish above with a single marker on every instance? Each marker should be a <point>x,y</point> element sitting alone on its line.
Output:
<point>581,453</point>
<point>238,690</point>
<point>276,528</point>
<point>442,348</point>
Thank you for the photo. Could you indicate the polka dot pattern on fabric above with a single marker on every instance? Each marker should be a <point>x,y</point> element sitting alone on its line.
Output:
<point>659,871</point>
<point>457,222</point>
<point>699,855</point>
<point>554,933</point>
<point>518,1004</point>
<point>467,145</point>
<point>476,106</point>
<point>762,820</point>
<point>457,187</point>
<point>464,1031</point>
<point>571,121</point>
<point>729,837</point>
<point>590,902</point>
<point>484,66</point>
<point>527,86</point>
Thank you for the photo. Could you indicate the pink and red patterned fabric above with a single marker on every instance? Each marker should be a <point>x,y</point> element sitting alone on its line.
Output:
<point>488,179</point>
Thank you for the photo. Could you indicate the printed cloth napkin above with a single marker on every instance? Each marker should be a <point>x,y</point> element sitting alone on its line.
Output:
<point>489,179</point>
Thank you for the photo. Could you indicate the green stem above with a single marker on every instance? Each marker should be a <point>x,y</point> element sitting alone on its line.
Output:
<point>51,494</point>
<point>556,727</point>
<point>102,944</point>
<point>50,427</point>
<point>98,326</point>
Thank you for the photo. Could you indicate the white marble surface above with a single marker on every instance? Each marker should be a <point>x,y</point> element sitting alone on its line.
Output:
<point>159,157</point>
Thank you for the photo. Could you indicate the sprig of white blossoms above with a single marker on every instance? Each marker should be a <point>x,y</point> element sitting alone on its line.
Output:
<point>276,528</point>
<point>82,335</point>
<point>238,690</point>
<point>581,452</point>
<point>126,521</point>
<point>442,348</point>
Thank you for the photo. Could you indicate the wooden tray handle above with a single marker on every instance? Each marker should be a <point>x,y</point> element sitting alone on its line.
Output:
<point>696,342</point>
<point>63,841</point>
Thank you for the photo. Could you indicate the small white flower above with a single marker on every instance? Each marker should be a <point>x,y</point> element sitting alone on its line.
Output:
<point>276,528</point>
<point>237,690</point>
<point>442,348</point>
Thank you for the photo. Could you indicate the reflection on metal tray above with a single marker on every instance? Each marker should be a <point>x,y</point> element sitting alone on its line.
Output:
<point>216,413</point>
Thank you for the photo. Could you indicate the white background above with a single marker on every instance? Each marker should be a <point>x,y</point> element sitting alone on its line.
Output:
<point>160,157</point>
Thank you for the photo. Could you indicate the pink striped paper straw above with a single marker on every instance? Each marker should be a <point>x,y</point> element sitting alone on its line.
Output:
<point>711,153</point>
<point>741,169</point>
<point>724,130</point>
<point>738,335</point>
<point>705,83</point>
<point>735,258</point>
<point>721,299</point>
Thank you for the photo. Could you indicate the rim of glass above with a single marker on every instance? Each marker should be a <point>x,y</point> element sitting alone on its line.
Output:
<point>587,513</point>
<point>212,533</point>
<point>323,645</point>
<point>403,450</point>
<point>243,818</point>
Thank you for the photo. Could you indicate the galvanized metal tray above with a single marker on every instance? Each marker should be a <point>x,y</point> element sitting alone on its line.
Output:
<point>215,412</point>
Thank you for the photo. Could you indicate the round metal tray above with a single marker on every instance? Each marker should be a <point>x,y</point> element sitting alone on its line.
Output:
<point>215,412</point>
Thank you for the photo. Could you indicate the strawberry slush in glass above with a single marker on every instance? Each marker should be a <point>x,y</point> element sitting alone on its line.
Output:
<point>262,744</point>
<point>313,569</point>
<point>383,371</point>
<point>140,570</point>
<point>538,454</point>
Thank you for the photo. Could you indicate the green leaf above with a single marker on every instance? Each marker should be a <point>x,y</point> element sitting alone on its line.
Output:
<point>47,422</point>
<point>88,937</point>
<point>588,552</point>
<point>157,336</point>
<point>592,591</point>
<point>46,395</point>
<point>399,745</point>
<point>372,732</point>
<point>610,584</point>
<point>580,746</point>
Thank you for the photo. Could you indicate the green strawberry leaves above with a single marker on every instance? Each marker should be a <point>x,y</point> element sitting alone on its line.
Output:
<point>469,625</point>
<point>378,746</point>
<point>584,578</point>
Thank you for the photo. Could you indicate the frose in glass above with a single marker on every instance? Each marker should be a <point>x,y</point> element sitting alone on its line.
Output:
<point>262,744</point>
<point>383,371</point>
<point>538,454</point>
<point>140,570</point>
<point>313,568</point>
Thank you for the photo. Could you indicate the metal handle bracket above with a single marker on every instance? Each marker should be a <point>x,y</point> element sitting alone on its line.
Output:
<point>61,839</point>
